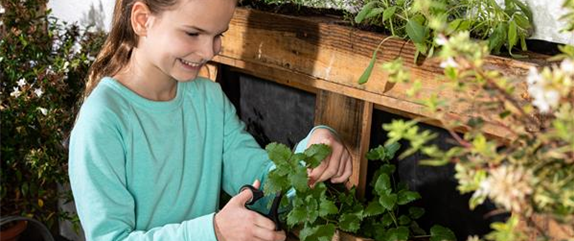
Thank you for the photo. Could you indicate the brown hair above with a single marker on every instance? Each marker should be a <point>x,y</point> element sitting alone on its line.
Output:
<point>117,49</point>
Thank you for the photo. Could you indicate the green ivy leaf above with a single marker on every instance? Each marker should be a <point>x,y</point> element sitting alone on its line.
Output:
<point>392,148</point>
<point>389,169</point>
<point>416,32</point>
<point>400,233</point>
<point>374,208</point>
<point>349,222</point>
<point>440,233</point>
<point>327,207</point>
<point>278,153</point>
<point>417,230</point>
<point>497,38</point>
<point>383,184</point>
<point>312,209</point>
<point>388,201</point>
<point>405,197</point>
<point>416,212</point>
<point>316,153</point>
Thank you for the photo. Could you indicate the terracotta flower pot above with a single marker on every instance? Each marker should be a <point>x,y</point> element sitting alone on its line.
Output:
<point>13,232</point>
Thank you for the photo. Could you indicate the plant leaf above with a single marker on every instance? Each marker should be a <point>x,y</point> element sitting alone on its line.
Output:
<point>383,184</point>
<point>400,233</point>
<point>440,233</point>
<point>389,12</point>
<point>512,35</point>
<point>416,32</point>
<point>404,220</point>
<point>278,153</point>
<point>375,12</point>
<point>416,212</point>
<point>374,208</point>
<point>388,201</point>
<point>366,10</point>
<point>349,222</point>
<point>316,153</point>
<point>367,73</point>
<point>405,197</point>
<point>327,207</point>
<point>299,179</point>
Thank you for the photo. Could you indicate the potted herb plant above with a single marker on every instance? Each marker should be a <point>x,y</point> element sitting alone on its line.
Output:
<point>44,63</point>
<point>325,211</point>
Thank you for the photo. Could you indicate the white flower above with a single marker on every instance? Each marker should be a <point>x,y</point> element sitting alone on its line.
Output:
<point>38,92</point>
<point>22,82</point>
<point>66,65</point>
<point>441,40</point>
<point>2,10</point>
<point>567,66</point>
<point>544,96</point>
<point>508,187</point>
<point>44,111</point>
<point>449,62</point>
<point>76,48</point>
<point>16,92</point>
<point>32,63</point>
<point>473,238</point>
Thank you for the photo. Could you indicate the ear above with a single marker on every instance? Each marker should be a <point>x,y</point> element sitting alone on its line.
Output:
<point>140,18</point>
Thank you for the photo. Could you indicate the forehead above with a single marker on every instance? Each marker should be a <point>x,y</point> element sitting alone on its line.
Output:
<point>211,15</point>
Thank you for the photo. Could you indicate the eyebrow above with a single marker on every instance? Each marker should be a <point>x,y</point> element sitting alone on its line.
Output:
<point>202,30</point>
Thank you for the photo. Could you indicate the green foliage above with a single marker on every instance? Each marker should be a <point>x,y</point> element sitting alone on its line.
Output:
<point>422,20</point>
<point>535,157</point>
<point>319,211</point>
<point>43,63</point>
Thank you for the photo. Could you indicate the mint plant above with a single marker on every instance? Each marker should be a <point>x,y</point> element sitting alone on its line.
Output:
<point>507,24</point>
<point>319,211</point>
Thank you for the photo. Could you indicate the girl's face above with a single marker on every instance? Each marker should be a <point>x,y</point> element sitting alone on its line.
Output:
<point>180,40</point>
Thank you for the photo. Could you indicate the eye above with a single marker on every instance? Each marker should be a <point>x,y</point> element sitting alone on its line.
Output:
<point>220,35</point>
<point>192,34</point>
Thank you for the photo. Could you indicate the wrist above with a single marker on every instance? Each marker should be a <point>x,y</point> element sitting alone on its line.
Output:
<point>218,234</point>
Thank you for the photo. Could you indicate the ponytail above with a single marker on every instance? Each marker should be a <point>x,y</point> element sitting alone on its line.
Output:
<point>117,48</point>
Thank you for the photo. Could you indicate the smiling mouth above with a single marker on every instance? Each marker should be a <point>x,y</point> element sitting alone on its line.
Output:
<point>190,64</point>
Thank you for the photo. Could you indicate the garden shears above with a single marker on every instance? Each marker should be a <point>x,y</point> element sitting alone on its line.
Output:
<point>273,212</point>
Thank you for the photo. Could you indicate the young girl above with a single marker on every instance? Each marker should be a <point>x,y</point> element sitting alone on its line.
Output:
<point>153,144</point>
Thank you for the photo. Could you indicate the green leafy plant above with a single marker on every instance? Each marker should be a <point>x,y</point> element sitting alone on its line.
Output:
<point>484,19</point>
<point>323,209</point>
<point>528,171</point>
<point>43,64</point>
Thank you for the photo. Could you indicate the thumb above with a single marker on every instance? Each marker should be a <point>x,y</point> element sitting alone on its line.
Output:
<point>246,195</point>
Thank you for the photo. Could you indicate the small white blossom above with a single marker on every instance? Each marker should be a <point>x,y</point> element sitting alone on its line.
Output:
<point>449,62</point>
<point>508,187</point>
<point>38,92</point>
<point>16,92</point>
<point>32,63</point>
<point>2,10</point>
<point>66,65</point>
<point>22,82</point>
<point>44,111</point>
<point>544,96</point>
<point>76,48</point>
<point>567,66</point>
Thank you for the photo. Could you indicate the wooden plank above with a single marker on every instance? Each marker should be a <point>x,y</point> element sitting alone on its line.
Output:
<point>332,57</point>
<point>352,119</point>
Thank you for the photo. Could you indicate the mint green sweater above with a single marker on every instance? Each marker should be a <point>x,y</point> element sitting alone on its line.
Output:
<point>147,170</point>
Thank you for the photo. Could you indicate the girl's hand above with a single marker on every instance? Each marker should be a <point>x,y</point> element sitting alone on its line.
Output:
<point>236,223</point>
<point>337,166</point>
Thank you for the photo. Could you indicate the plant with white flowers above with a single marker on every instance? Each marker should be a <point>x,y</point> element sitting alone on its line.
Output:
<point>529,172</point>
<point>42,80</point>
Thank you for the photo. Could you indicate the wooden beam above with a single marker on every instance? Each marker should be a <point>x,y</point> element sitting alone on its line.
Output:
<point>326,56</point>
<point>352,119</point>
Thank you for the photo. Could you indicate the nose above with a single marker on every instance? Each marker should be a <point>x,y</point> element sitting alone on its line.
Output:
<point>209,49</point>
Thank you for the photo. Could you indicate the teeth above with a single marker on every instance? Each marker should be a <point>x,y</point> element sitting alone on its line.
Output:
<point>190,63</point>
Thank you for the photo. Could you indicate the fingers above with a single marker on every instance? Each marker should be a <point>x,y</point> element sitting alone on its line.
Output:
<point>246,195</point>
<point>346,173</point>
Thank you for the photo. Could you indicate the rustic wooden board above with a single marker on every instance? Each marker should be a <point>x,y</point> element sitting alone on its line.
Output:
<point>352,119</point>
<point>319,53</point>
